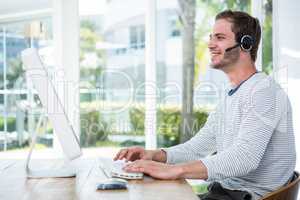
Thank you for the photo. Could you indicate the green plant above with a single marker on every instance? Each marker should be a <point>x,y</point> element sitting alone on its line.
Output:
<point>130,143</point>
<point>200,188</point>
<point>267,64</point>
<point>93,129</point>
<point>107,143</point>
<point>11,124</point>
<point>168,123</point>
<point>137,120</point>
<point>168,126</point>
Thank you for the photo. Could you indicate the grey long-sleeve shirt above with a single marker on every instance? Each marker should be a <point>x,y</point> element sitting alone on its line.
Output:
<point>252,133</point>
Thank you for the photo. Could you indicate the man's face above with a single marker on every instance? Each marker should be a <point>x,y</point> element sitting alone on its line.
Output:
<point>222,38</point>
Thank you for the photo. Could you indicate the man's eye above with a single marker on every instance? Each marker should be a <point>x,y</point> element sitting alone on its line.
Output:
<point>220,38</point>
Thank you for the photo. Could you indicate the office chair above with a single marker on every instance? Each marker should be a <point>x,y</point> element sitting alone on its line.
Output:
<point>288,192</point>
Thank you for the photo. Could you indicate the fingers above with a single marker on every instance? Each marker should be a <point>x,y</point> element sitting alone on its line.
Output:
<point>117,156</point>
<point>129,155</point>
<point>153,168</point>
<point>138,166</point>
<point>121,154</point>
<point>133,167</point>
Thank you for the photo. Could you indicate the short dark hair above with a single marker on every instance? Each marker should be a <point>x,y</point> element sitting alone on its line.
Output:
<point>243,24</point>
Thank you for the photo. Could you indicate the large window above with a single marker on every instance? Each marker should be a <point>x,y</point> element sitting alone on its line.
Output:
<point>19,104</point>
<point>112,74</point>
<point>208,83</point>
<point>112,71</point>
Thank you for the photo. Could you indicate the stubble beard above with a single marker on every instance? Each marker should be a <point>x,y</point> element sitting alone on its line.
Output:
<point>229,59</point>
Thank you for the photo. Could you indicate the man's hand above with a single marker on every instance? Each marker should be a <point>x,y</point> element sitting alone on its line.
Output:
<point>155,169</point>
<point>193,170</point>
<point>134,153</point>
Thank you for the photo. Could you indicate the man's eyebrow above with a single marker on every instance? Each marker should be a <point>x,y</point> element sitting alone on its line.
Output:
<point>218,34</point>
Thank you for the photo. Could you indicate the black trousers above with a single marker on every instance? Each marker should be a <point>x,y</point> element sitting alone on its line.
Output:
<point>217,192</point>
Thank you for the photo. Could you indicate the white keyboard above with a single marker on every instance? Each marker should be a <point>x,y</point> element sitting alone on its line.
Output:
<point>114,169</point>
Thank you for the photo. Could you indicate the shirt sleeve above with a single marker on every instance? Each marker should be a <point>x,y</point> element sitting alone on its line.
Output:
<point>260,117</point>
<point>199,146</point>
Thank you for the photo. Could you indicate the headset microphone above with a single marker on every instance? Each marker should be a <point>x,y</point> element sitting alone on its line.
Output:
<point>246,43</point>
<point>233,47</point>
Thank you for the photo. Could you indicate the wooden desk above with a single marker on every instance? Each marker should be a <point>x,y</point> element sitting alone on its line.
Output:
<point>15,186</point>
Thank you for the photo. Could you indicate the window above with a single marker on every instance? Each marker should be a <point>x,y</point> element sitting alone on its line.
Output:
<point>137,37</point>
<point>174,26</point>
<point>17,122</point>
<point>170,56</point>
<point>112,68</point>
<point>267,56</point>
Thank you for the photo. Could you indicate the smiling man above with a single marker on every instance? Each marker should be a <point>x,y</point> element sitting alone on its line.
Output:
<point>246,148</point>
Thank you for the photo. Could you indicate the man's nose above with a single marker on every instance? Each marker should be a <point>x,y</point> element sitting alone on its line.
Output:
<point>211,44</point>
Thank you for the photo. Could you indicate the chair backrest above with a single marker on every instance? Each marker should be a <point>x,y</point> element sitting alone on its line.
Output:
<point>288,192</point>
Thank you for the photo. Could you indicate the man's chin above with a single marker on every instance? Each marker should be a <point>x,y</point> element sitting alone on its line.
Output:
<point>216,66</point>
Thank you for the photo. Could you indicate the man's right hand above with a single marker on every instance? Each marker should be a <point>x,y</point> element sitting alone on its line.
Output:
<point>134,153</point>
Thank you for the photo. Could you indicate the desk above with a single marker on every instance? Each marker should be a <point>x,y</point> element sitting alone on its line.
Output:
<point>15,186</point>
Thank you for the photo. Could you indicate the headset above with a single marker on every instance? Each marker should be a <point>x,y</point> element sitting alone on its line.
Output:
<point>246,43</point>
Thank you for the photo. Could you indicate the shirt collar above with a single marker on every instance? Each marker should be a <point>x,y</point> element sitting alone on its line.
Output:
<point>234,90</point>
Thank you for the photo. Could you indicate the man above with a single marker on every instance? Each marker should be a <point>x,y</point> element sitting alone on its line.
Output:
<point>246,148</point>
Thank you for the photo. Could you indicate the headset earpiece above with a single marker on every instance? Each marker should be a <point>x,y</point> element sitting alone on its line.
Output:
<point>246,43</point>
